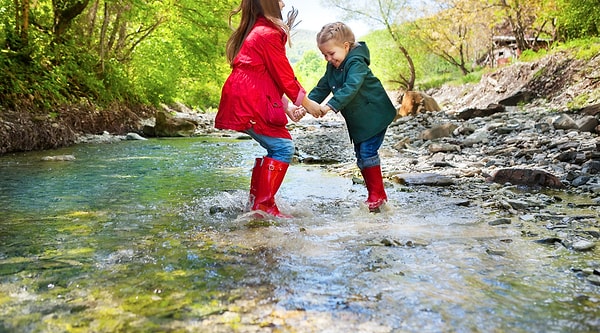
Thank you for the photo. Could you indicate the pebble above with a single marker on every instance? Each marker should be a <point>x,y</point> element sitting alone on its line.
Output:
<point>583,245</point>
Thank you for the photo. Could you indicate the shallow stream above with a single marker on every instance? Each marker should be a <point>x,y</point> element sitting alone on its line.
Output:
<point>151,236</point>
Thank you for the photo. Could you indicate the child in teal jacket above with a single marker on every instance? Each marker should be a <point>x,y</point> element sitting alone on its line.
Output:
<point>361,99</point>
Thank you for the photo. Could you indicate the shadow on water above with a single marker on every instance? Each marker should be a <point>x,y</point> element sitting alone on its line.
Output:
<point>152,236</point>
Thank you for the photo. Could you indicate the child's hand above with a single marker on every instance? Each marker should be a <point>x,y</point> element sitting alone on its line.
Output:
<point>313,108</point>
<point>324,110</point>
<point>295,112</point>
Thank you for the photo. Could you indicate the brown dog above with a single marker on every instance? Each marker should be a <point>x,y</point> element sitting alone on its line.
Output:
<point>414,102</point>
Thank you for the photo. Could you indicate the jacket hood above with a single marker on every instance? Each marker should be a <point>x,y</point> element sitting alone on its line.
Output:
<point>360,51</point>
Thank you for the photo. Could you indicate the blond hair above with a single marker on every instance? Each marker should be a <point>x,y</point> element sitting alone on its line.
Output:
<point>338,32</point>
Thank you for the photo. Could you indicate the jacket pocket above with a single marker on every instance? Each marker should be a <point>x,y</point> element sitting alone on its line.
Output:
<point>275,113</point>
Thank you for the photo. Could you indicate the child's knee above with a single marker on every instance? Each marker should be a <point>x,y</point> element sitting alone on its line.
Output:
<point>284,152</point>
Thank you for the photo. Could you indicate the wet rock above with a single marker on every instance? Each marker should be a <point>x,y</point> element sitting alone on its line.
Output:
<point>567,156</point>
<point>527,177</point>
<point>580,180</point>
<point>500,221</point>
<point>134,136</point>
<point>429,179</point>
<point>59,158</point>
<point>475,112</point>
<point>564,122</point>
<point>520,97</point>
<point>465,129</point>
<point>591,167</point>
<point>594,279</point>
<point>387,242</point>
<point>549,241</point>
<point>437,132</point>
<point>169,126</point>
<point>148,130</point>
<point>495,252</point>
<point>408,243</point>
<point>442,147</point>
<point>479,136</point>
<point>216,209</point>
<point>463,203</point>
<point>527,217</point>
<point>583,245</point>
<point>587,124</point>
<point>507,128</point>
<point>593,233</point>
<point>591,110</point>
<point>555,226</point>
<point>518,204</point>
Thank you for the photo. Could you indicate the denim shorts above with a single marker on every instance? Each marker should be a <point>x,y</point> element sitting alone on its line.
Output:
<point>280,149</point>
<point>367,152</point>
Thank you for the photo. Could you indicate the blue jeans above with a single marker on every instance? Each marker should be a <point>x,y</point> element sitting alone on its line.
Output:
<point>367,154</point>
<point>280,149</point>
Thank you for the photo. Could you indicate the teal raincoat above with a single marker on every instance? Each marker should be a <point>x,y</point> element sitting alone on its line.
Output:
<point>357,94</point>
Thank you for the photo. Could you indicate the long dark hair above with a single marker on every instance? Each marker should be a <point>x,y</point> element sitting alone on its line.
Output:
<point>251,10</point>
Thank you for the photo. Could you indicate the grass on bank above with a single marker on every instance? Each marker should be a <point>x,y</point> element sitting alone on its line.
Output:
<point>581,49</point>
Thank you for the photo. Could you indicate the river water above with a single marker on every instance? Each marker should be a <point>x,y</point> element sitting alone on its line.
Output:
<point>151,236</point>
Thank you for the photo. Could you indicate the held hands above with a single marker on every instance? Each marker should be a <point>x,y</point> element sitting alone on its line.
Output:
<point>295,112</point>
<point>314,108</point>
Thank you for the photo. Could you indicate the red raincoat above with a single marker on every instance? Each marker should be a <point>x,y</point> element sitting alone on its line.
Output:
<point>253,95</point>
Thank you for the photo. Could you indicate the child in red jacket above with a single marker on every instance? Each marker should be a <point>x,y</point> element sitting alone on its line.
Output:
<point>253,99</point>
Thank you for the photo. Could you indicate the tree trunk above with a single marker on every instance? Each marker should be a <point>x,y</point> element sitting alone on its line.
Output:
<point>103,36</point>
<point>517,23</point>
<point>92,16</point>
<point>408,83</point>
<point>63,15</point>
<point>22,9</point>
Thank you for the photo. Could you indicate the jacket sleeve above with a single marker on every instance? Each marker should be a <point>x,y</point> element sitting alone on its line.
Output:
<point>321,90</point>
<point>279,67</point>
<point>356,72</point>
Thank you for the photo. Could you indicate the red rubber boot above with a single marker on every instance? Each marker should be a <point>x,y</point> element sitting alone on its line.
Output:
<point>270,176</point>
<point>254,183</point>
<point>374,181</point>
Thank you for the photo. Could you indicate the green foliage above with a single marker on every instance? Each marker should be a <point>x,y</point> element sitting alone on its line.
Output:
<point>29,71</point>
<point>531,55</point>
<point>302,41</point>
<point>142,51</point>
<point>430,69</point>
<point>578,18</point>
<point>579,101</point>
<point>383,48</point>
<point>184,60</point>
<point>540,73</point>
<point>310,69</point>
<point>434,81</point>
<point>472,77</point>
<point>583,49</point>
<point>173,51</point>
<point>588,51</point>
